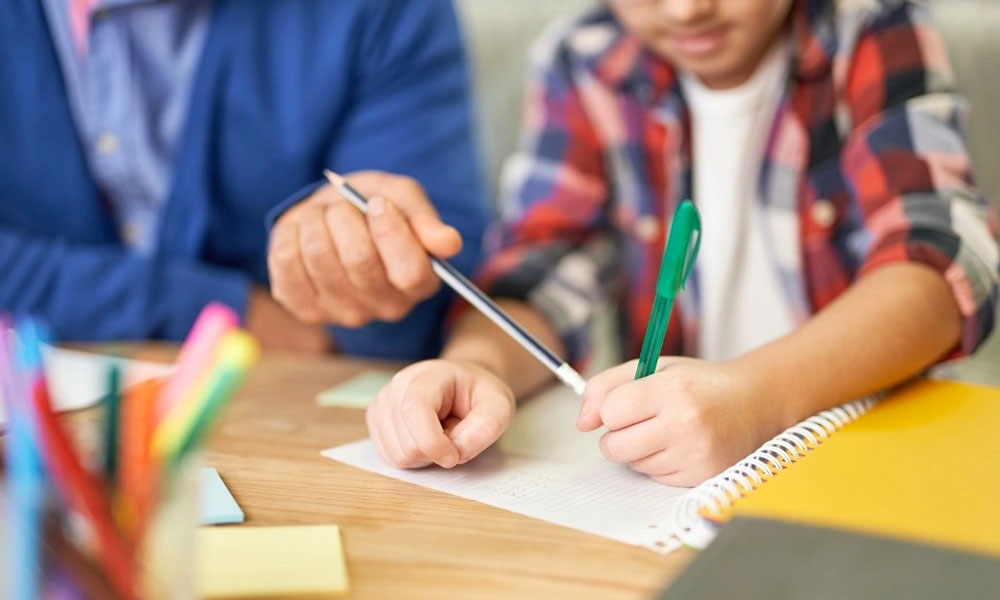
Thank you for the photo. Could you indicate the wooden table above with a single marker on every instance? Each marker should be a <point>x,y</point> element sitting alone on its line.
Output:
<point>401,540</point>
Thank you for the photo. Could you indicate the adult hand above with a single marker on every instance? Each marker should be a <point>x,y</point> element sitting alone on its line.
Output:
<point>331,264</point>
<point>439,411</point>
<point>687,422</point>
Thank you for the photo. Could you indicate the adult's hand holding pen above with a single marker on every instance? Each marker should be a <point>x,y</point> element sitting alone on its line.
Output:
<point>331,264</point>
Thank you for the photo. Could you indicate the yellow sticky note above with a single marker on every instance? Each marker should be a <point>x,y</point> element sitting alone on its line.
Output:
<point>254,562</point>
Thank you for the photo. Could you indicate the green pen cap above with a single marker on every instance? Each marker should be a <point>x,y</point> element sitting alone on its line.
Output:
<point>674,270</point>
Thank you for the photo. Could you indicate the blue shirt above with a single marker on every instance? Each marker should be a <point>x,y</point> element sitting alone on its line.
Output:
<point>129,95</point>
<point>283,89</point>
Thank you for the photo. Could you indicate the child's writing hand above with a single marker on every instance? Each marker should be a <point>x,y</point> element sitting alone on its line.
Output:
<point>439,411</point>
<point>685,423</point>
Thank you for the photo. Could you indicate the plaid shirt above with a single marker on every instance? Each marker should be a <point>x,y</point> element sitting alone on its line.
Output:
<point>865,165</point>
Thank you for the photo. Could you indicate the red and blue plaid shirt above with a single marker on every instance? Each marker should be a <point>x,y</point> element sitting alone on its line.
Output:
<point>865,165</point>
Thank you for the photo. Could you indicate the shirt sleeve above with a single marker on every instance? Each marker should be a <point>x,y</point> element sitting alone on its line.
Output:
<point>412,115</point>
<point>554,248</point>
<point>908,171</point>
<point>96,292</point>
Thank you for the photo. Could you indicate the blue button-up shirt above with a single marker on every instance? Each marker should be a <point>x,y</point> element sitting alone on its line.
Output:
<point>129,96</point>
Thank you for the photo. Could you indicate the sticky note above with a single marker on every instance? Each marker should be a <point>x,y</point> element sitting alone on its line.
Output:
<point>254,562</point>
<point>356,392</point>
<point>216,506</point>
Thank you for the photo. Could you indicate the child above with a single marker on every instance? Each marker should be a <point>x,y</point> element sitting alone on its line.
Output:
<point>845,248</point>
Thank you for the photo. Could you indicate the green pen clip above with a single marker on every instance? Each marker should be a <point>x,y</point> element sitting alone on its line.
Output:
<point>681,250</point>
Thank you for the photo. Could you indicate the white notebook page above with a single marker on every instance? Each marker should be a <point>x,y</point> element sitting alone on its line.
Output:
<point>544,468</point>
<point>80,379</point>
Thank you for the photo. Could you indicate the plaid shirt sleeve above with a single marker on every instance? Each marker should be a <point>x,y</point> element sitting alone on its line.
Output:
<point>908,171</point>
<point>554,248</point>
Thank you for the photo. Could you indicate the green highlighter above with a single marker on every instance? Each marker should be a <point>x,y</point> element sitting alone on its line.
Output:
<point>678,260</point>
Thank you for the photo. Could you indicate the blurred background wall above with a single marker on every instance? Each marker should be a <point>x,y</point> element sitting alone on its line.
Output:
<point>499,33</point>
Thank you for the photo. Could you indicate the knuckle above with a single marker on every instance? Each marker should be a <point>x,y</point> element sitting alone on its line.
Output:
<point>412,280</point>
<point>491,429</point>
<point>410,409</point>
<point>282,253</point>
<point>410,185</point>
<point>609,412</point>
<point>683,385</point>
<point>394,312</point>
<point>352,318</point>
<point>315,247</point>
<point>361,259</point>
<point>411,454</point>
<point>397,460</point>
<point>611,448</point>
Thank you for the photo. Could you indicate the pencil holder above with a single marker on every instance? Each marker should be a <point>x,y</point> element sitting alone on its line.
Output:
<point>163,533</point>
<point>167,553</point>
<point>107,507</point>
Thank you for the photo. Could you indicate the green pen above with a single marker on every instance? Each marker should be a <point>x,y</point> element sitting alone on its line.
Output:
<point>112,418</point>
<point>678,260</point>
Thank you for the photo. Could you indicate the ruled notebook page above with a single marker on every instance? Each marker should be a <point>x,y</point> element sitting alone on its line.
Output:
<point>544,468</point>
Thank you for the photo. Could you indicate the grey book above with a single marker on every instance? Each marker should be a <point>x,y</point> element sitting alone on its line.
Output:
<point>757,558</point>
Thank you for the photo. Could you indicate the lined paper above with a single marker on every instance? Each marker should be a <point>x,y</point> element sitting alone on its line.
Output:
<point>544,468</point>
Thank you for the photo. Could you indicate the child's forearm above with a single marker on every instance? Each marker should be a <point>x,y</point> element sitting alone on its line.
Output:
<point>889,326</point>
<point>476,339</point>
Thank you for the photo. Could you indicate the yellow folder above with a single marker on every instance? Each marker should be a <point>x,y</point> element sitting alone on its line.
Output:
<point>924,464</point>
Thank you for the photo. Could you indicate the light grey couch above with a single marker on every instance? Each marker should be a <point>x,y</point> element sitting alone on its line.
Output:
<point>499,33</point>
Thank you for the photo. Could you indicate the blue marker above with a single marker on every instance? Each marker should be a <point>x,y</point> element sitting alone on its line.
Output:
<point>25,480</point>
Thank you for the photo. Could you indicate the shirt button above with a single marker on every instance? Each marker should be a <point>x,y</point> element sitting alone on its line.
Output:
<point>107,143</point>
<point>823,213</point>
<point>647,228</point>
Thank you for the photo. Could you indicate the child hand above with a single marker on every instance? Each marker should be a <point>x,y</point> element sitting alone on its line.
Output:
<point>687,422</point>
<point>439,411</point>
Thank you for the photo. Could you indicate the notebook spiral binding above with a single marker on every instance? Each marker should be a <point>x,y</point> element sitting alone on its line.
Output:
<point>720,492</point>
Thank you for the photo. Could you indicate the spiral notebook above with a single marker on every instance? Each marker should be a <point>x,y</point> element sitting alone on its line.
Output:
<point>919,465</point>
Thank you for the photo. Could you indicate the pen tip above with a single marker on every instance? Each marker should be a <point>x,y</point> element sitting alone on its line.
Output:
<point>333,178</point>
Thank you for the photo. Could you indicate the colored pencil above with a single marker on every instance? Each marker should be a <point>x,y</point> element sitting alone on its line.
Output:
<point>77,486</point>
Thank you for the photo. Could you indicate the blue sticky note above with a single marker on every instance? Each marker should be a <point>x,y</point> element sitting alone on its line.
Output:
<point>216,505</point>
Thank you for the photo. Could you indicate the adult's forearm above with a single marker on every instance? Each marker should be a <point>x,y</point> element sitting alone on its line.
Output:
<point>889,326</point>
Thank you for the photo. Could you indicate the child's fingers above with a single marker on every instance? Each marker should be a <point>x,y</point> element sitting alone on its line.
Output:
<point>388,440</point>
<point>418,416</point>
<point>371,419</point>
<point>635,442</point>
<point>656,464</point>
<point>597,389</point>
<point>630,403</point>
<point>490,415</point>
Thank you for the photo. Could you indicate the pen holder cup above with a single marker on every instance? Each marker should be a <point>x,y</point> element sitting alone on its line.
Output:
<point>164,562</point>
<point>168,554</point>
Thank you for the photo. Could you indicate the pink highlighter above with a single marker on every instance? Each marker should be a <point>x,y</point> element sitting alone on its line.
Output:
<point>196,354</point>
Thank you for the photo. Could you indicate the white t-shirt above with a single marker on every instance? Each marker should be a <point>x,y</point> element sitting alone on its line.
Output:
<point>742,304</point>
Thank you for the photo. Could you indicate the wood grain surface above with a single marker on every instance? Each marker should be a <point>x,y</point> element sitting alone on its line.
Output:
<point>401,540</point>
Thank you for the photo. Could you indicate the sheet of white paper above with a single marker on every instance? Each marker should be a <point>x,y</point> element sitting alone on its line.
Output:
<point>544,468</point>
<point>80,379</point>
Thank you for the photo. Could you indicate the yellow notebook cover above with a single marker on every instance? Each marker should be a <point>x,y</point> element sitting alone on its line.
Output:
<point>923,464</point>
<point>255,562</point>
